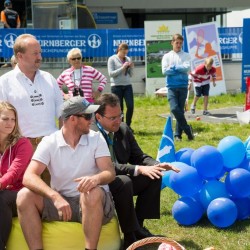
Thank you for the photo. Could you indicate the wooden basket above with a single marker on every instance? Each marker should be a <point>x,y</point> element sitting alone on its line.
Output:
<point>155,240</point>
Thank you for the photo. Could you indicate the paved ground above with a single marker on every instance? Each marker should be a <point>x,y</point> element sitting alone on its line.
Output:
<point>223,115</point>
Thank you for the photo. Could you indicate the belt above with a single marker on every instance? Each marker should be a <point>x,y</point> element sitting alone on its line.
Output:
<point>35,141</point>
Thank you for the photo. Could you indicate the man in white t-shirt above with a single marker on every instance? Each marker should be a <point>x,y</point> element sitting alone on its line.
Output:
<point>80,166</point>
<point>34,93</point>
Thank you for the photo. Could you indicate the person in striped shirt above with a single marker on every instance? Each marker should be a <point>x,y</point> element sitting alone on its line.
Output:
<point>78,79</point>
<point>201,77</point>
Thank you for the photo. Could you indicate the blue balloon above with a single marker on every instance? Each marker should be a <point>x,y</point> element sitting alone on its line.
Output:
<point>212,190</point>
<point>232,150</point>
<point>222,212</point>
<point>184,155</point>
<point>208,161</point>
<point>187,211</point>
<point>221,174</point>
<point>165,179</point>
<point>187,182</point>
<point>243,207</point>
<point>238,183</point>
<point>244,164</point>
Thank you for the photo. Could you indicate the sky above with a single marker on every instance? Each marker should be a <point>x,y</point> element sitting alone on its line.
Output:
<point>235,18</point>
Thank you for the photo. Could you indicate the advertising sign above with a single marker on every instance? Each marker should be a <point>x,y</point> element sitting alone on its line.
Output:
<point>203,42</point>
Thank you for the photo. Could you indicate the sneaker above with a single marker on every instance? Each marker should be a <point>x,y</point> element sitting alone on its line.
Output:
<point>192,110</point>
<point>205,112</point>
<point>190,134</point>
<point>177,138</point>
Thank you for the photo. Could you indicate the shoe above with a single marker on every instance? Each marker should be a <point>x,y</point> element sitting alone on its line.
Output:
<point>192,110</point>
<point>190,134</point>
<point>205,112</point>
<point>6,65</point>
<point>177,138</point>
<point>128,241</point>
<point>143,233</point>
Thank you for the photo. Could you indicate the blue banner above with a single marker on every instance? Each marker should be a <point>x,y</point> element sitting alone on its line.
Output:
<point>245,53</point>
<point>101,42</point>
<point>230,40</point>
<point>56,43</point>
<point>133,37</point>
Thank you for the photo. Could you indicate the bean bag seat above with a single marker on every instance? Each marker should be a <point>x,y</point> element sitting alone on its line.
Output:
<point>66,236</point>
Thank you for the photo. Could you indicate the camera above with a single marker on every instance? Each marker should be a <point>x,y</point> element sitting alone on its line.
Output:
<point>77,92</point>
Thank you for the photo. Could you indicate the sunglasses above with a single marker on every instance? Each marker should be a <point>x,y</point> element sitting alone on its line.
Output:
<point>76,58</point>
<point>87,117</point>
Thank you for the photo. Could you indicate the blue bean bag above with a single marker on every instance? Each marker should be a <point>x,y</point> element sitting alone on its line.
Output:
<point>66,236</point>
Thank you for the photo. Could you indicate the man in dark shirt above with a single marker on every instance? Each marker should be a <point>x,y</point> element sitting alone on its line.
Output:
<point>10,17</point>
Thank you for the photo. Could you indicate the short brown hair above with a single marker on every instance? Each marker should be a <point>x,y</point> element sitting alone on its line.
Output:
<point>177,37</point>
<point>122,46</point>
<point>106,99</point>
<point>20,45</point>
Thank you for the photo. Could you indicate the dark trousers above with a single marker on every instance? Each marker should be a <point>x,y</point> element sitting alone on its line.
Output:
<point>123,188</point>
<point>177,99</point>
<point>126,93</point>
<point>7,211</point>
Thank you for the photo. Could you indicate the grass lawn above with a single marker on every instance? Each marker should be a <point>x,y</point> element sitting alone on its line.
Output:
<point>148,127</point>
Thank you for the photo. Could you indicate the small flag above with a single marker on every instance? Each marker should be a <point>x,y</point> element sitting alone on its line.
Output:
<point>166,152</point>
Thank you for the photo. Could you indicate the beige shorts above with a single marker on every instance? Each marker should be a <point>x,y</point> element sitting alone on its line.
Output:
<point>50,212</point>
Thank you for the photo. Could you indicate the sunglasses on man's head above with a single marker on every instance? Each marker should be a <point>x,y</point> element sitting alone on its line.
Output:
<point>87,117</point>
<point>76,58</point>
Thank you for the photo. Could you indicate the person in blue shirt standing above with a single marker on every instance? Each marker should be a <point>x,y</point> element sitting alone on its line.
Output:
<point>176,66</point>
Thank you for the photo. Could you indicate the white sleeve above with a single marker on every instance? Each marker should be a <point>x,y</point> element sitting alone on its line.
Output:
<point>3,96</point>
<point>102,147</point>
<point>42,153</point>
<point>58,97</point>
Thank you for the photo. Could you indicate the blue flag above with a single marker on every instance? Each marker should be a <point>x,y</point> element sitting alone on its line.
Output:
<point>166,152</point>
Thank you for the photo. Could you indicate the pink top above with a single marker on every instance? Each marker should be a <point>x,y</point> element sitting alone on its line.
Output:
<point>88,74</point>
<point>13,164</point>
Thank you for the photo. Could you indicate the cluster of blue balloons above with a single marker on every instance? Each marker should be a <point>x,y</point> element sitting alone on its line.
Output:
<point>211,180</point>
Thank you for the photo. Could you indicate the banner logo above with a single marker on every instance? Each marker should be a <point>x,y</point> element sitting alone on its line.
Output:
<point>9,40</point>
<point>94,41</point>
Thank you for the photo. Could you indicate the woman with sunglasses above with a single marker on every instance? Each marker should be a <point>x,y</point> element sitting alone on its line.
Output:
<point>120,68</point>
<point>15,154</point>
<point>78,79</point>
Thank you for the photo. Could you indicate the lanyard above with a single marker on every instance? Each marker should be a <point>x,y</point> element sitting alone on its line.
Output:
<point>109,141</point>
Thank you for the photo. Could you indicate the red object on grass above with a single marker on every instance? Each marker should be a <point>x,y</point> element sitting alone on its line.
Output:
<point>247,104</point>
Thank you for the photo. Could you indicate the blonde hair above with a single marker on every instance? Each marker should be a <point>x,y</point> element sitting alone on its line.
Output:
<point>73,51</point>
<point>15,135</point>
<point>209,61</point>
<point>20,45</point>
<point>13,61</point>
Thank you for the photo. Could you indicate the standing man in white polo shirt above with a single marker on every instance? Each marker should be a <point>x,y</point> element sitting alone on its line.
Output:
<point>34,93</point>
<point>80,166</point>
